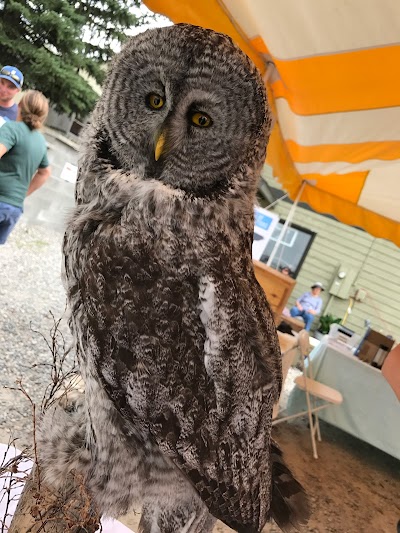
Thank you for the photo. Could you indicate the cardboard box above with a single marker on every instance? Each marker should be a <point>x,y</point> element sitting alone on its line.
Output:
<point>371,344</point>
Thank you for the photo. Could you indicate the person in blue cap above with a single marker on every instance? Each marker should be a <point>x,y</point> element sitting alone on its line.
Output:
<point>309,305</point>
<point>11,80</point>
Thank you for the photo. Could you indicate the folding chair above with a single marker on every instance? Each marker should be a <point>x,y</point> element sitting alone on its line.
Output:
<point>315,393</point>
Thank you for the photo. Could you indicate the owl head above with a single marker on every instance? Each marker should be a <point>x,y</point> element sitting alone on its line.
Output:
<point>185,106</point>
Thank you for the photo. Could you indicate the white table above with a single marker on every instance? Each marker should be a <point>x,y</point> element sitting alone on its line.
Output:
<point>370,409</point>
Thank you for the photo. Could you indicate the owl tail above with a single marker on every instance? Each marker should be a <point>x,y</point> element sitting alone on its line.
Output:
<point>289,506</point>
<point>180,517</point>
<point>61,440</point>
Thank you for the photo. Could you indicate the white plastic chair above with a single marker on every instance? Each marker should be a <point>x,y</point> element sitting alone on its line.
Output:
<point>315,393</point>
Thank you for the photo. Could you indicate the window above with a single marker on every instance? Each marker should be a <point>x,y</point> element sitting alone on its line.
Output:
<point>293,249</point>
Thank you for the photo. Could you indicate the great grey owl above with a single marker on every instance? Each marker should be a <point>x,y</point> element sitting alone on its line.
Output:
<point>176,342</point>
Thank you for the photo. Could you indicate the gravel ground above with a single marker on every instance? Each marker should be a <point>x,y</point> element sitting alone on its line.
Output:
<point>31,294</point>
<point>353,487</point>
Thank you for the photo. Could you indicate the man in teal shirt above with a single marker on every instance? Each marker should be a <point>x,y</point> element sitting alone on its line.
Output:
<point>24,166</point>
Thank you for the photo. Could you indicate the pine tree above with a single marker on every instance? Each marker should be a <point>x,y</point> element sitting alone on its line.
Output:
<point>54,42</point>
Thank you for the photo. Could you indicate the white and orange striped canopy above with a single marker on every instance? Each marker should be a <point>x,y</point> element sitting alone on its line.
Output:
<point>332,69</point>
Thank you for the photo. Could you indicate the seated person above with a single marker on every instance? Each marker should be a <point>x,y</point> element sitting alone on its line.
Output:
<point>286,270</point>
<point>309,305</point>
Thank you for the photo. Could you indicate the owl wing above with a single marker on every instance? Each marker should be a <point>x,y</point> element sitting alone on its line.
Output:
<point>194,362</point>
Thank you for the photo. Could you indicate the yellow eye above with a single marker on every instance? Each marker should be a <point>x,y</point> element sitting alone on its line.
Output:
<point>155,101</point>
<point>201,119</point>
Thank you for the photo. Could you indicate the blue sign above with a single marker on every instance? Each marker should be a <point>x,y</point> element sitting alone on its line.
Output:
<point>262,221</point>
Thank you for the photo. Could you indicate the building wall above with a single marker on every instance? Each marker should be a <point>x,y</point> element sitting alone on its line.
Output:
<point>376,260</point>
<point>59,121</point>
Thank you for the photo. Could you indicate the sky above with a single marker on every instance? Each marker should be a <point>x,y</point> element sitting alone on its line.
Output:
<point>158,23</point>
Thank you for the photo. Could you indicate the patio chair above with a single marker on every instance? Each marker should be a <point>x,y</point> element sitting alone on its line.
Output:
<point>315,393</point>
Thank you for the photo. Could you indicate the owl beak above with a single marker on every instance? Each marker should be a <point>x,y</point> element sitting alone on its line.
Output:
<point>159,146</point>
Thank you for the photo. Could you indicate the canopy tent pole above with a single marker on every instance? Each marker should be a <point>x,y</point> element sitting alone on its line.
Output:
<point>277,201</point>
<point>286,224</point>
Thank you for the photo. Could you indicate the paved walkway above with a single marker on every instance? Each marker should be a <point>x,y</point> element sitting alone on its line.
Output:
<point>51,204</point>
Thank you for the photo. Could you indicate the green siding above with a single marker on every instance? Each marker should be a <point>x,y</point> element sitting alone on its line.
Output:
<point>377,260</point>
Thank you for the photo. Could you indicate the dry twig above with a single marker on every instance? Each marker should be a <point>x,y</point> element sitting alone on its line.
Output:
<point>41,509</point>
